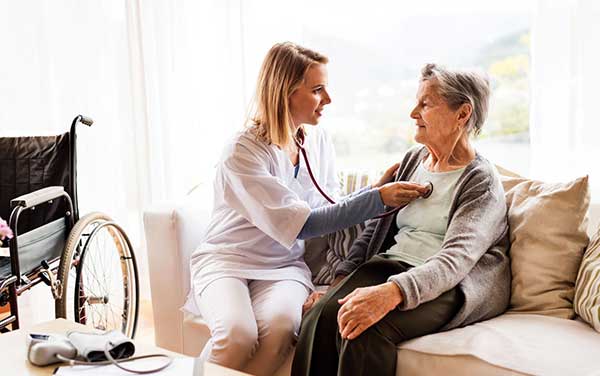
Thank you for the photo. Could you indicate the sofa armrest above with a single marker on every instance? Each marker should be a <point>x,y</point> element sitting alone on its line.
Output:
<point>173,231</point>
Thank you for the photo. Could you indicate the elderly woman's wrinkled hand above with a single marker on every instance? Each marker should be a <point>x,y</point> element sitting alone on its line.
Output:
<point>401,193</point>
<point>365,306</point>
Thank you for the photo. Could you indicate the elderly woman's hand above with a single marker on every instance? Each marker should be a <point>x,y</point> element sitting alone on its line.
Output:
<point>401,193</point>
<point>387,176</point>
<point>365,306</point>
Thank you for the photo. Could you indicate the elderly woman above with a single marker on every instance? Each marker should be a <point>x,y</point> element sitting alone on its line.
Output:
<point>440,263</point>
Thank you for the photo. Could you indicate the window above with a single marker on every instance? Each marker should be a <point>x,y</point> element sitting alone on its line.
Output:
<point>376,54</point>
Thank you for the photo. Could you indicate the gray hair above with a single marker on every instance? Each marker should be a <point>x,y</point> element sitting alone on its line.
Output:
<point>459,87</point>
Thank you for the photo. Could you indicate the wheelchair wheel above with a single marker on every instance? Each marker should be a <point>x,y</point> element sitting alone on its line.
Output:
<point>99,276</point>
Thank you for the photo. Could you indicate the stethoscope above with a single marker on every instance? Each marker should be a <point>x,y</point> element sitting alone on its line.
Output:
<point>299,140</point>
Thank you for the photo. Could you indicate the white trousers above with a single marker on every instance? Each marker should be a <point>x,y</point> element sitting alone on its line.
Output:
<point>253,324</point>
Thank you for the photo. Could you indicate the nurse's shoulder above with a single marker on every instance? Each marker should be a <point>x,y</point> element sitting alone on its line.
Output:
<point>245,147</point>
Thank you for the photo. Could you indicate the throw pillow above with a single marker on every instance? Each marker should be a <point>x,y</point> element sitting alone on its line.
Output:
<point>338,245</point>
<point>325,253</point>
<point>548,236</point>
<point>587,288</point>
<point>315,256</point>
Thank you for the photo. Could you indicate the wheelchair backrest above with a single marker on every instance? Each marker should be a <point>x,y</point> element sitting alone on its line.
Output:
<point>31,163</point>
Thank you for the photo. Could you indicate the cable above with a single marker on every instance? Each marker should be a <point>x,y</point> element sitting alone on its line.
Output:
<point>331,201</point>
<point>115,362</point>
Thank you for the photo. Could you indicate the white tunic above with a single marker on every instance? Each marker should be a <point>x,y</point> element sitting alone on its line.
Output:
<point>259,209</point>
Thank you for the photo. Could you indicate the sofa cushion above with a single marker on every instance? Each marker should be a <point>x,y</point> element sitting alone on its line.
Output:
<point>531,344</point>
<point>587,288</point>
<point>548,236</point>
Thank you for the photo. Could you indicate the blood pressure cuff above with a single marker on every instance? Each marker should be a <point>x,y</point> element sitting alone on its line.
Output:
<point>91,346</point>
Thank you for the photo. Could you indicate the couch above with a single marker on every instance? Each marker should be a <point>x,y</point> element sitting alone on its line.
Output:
<point>511,344</point>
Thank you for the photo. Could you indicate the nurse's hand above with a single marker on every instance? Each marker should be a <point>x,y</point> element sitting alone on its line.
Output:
<point>311,301</point>
<point>388,176</point>
<point>315,296</point>
<point>401,192</point>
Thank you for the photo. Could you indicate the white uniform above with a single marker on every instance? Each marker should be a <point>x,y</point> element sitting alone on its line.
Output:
<point>259,209</point>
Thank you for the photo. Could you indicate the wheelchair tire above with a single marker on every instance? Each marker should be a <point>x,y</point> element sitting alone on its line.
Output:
<point>99,276</point>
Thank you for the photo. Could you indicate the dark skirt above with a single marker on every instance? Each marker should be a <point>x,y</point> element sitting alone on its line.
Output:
<point>322,351</point>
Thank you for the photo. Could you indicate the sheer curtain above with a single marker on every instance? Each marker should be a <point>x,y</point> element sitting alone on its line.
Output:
<point>564,126</point>
<point>66,57</point>
<point>192,57</point>
<point>166,82</point>
<point>201,60</point>
<point>63,58</point>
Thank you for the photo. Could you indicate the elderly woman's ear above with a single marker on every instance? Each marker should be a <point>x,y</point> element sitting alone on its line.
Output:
<point>464,113</point>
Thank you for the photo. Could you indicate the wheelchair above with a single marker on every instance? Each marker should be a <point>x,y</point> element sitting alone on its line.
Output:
<point>88,263</point>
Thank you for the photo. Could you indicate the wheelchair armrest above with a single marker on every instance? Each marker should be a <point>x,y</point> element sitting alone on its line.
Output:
<point>38,197</point>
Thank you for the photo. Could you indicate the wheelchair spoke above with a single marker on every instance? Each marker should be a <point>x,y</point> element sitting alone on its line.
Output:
<point>100,268</point>
<point>101,280</point>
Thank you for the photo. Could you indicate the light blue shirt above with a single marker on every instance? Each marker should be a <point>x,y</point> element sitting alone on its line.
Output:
<point>423,223</point>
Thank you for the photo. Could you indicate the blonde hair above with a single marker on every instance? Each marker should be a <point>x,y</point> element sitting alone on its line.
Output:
<point>282,72</point>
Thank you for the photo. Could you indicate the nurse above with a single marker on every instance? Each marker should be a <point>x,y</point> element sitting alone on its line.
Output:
<point>249,279</point>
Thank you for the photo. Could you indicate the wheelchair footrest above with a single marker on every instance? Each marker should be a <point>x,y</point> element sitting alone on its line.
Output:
<point>49,278</point>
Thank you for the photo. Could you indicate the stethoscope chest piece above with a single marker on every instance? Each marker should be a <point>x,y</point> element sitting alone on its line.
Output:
<point>299,140</point>
<point>429,191</point>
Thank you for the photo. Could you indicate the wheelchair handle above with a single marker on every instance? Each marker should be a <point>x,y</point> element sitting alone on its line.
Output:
<point>86,120</point>
<point>83,119</point>
<point>73,163</point>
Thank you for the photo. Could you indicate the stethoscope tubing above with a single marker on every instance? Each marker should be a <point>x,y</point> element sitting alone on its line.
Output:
<point>312,177</point>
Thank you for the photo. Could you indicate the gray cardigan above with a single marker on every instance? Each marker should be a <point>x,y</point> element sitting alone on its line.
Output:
<point>473,254</point>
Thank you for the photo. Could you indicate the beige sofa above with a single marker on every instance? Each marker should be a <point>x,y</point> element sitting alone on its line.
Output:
<point>511,344</point>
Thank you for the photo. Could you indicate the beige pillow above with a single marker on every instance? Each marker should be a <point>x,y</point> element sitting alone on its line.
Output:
<point>548,236</point>
<point>587,288</point>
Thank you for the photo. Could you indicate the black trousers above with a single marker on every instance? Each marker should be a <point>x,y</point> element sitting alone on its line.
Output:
<point>322,351</point>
